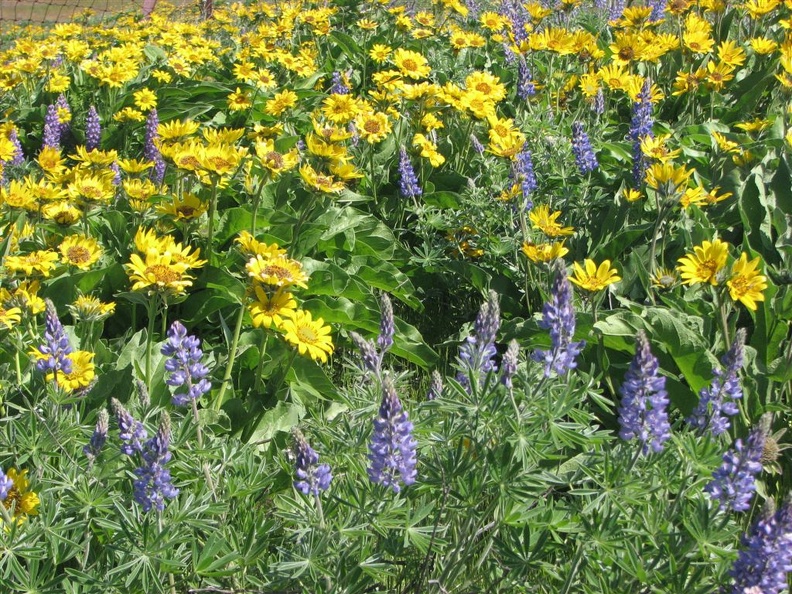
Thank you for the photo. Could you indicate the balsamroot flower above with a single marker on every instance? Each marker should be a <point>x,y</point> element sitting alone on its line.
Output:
<point>392,448</point>
<point>477,354</point>
<point>585,159</point>
<point>718,400</point>
<point>19,496</point>
<point>734,483</point>
<point>153,484</point>
<point>408,182</point>
<point>766,558</point>
<point>642,413</point>
<point>99,437</point>
<point>558,316</point>
<point>184,365</point>
<point>312,477</point>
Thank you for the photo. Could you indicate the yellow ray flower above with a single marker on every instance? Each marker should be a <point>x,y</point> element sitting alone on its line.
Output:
<point>592,277</point>
<point>746,283</point>
<point>311,337</point>
<point>704,264</point>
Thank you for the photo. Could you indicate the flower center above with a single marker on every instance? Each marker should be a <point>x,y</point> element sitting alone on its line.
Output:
<point>78,254</point>
<point>307,335</point>
<point>162,274</point>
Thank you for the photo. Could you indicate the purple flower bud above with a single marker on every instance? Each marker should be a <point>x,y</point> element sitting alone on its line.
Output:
<point>95,445</point>
<point>435,386</point>
<point>524,172</point>
<point>6,484</point>
<point>154,483</point>
<point>734,483</point>
<point>339,86</point>
<point>19,155</point>
<point>525,84</point>
<point>408,182</point>
<point>387,326</point>
<point>150,150</point>
<point>477,354</point>
<point>131,431</point>
<point>312,477</point>
<point>509,363</point>
<point>51,136</point>
<point>640,127</point>
<point>476,144</point>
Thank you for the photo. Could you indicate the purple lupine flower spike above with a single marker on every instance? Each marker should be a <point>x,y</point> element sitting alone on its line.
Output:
<point>640,127</point>
<point>435,386</point>
<point>392,447</point>
<point>599,102</point>
<point>368,352</point>
<point>339,86</point>
<point>643,411</point>
<point>509,364</point>
<point>51,135</point>
<point>19,154</point>
<point>130,430</point>
<point>99,437</point>
<point>525,84</point>
<point>154,484</point>
<point>585,159</point>
<point>766,558</point>
<point>476,144</point>
<point>93,129</point>
<point>150,150</point>
<point>719,400</point>
<point>56,346</point>
<point>734,483</point>
<point>387,326</point>
<point>408,182</point>
<point>312,477</point>
<point>184,365</point>
<point>558,316</point>
<point>524,172</point>
<point>6,484</point>
<point>477,354</point>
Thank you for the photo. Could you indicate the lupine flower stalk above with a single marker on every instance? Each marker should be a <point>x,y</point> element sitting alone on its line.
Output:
<point>734,483</point>
<point>558,316</point>
<point>387,324</point>
<point>339,86</point>
<point>93,129</point>
<point>368,353</point>
<point>658,10</point>
<point>6,484</point>
<point>641,127</point>
<point>51,135</point>
<point>509,363</point>
<point>64,116</point>
<point>599,102</point>
<point>312,477</point>
<point>19,154</point>
<point>392,454</point>
<point>130,430</point>
<point>477,353</point>
<point>150,150</point>
<point>585,159</point>
<point>408,182</point>
<point>154,485</point>
<point>766,558</point>
<point>184,365</point>
<point>525,84</point>
<point>56,348</point>
<point>435,385</point>
<point>99,436</point>
<point>524,172</point>
<point>643,413</point>
<point>476,144</point>
<point>719,400</point>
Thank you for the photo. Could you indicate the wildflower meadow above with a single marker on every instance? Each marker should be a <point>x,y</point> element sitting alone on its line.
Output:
<point>353,296</point>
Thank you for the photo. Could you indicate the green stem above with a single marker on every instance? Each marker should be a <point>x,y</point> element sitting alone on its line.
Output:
<point>232,353</point>
<point>372,177</point>
<point>276,385</point>
<point>152,318</point>
<point>212,210</point>
<point>199,436</point>
<point>260,366</point>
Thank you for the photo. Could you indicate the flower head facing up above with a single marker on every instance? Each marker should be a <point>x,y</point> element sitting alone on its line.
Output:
<point>705,263</point>
<point>311,337</point>
<point>99,436</point>
<point>477,353</point>
<point>594,278</point>
<point>184,365</point>
<point>392,447</point>
<point>642,413</point>
<point>387,325</point>
<point>558,316</point>
<point>312,477</point>
<point>130,430</point>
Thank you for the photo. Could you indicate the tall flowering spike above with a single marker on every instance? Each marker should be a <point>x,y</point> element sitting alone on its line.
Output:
<point>435,386</point>
<point>516,13</point>
<point>643,413</point>
<point>766,558</point>
<point>658,10</point>
<point>154,485</point>
<point>525,84</point>
<point>585,159</point>
<point>392,448</point>
<point>93,129</point>
<point>56,347</point>
<point>6,484</point>
<point>598,106</point>
<point>477,353</point>
<point>408,182</point>
<point>558,316</point>
<point>641,127</point>
<point>184,365</point>
<point>509,365</point>
<point>339,86</point>
<point>524,173</point>
<point>130,430</point>
<point>476,144</point>
<point>734,483</point>
<point>99,437</point>
<point>64,116</point>
<point>51,136</point>
<point>141,390</point>
<point>719,400</point>
<point>19,154</point>
<point>387,326</point>
<point>150,150</point>
<point>312,477</point>
<point>617,10</point>
<point>368,353</point>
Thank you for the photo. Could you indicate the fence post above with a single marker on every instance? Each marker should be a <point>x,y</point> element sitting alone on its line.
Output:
<point>207,7</point>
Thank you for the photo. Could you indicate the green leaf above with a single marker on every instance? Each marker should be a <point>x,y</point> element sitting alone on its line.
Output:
<point>282,418</point>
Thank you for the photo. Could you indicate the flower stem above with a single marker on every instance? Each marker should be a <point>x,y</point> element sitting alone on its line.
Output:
<point>232,352</point>
<point>152,319</point>
<point>260,366</point>
<point>212,210</point>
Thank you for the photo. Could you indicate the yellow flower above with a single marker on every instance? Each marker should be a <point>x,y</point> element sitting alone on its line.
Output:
<point>547,223</point>
<point>80,251</point>
<point>594,278</point>
<point>158,273</point>
<point>411,64</point>
<point>379,53</point>
<point>220,159</point>
<point>631,195</point>
<point>250,246</point>
<point>20,498</point>
<point>81,375</point>
<point>87,308</point>
<point>281,102</point>
<point>129,114</point>
<point>544,252</point>
<point>185,208</point>
<point>319,181</point>
<point>666,178</point>
<point>93,188</point>
<point>373,127</point>
<point>268,311</point>
<point>340,109</point>
<point>145,99</point>
<point>310,336</point>
<point>278,271</point>
<point>275,162</point>
<point>40,262</point>
<point>664,278</point>
<point>239,101</point>
<point>704,264</point>
<point>746,283</point>
<point>17,195</point>
<point>10,317</point>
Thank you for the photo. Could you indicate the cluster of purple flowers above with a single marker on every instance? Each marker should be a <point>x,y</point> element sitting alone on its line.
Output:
<point>150,150</point>
<point>477,353</point>
<point>525,84</point>
<point>54,128</point>
<point>131,431</point>
<point>734,483</point>
<point>6,484</point>
<point>408,181</point>
<point>640,127</point>
<point>719,400</point>
<point>99,436</point>
<point>766,559</point>
<point>184,365</point>
<point>93,129</point>
<point>585,159</point>
<point>372,353</point>
<point>392,448</point>
<point>339,87</point>
<point>643,410</point>
<point>312,477</point>
<point>518,15</point>
<point>56,346</point>
<point>524,172</point>
<point>558,316</point>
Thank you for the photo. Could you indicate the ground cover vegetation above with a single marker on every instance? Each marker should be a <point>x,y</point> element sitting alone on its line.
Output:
<point>369,297</point>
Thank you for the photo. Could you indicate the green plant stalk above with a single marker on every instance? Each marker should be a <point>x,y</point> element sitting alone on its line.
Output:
<point>212,210</point>
<point>232,353</point>
<point>152,319</point>
<point>171,581</point>
<point>260,365</point>
<point>256,201</point>
<point>246,434</point>
<point>199,436</point>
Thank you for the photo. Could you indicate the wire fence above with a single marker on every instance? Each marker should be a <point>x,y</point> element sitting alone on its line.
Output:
<point>61,11</point>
